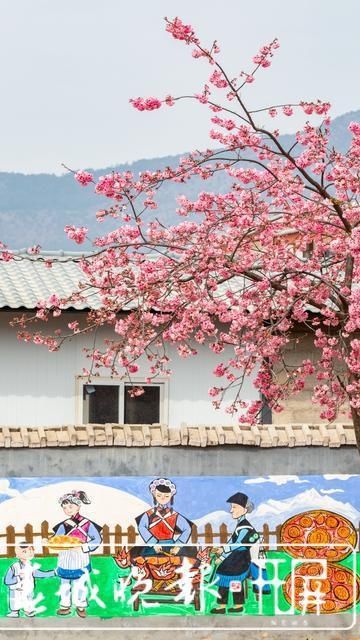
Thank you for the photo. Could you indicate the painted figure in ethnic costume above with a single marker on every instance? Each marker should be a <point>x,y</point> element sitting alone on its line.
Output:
<point>20,580</point>
<point>162,526</point>
<point>238,559</point>
<point>74,565</point>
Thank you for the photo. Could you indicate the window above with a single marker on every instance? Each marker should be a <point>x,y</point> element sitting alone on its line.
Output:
<point>102,403</point>
<point>266,413</point>
<point>144,409</point>
<point>308,252</point>
<point>105,400</point>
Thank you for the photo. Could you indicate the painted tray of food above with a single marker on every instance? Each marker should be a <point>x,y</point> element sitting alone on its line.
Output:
<point>318,534</point>
<point>159,568</point>
<point>318,589</point>
<point>63,543</point>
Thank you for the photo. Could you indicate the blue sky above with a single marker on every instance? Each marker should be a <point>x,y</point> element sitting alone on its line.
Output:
<point>198,495</point>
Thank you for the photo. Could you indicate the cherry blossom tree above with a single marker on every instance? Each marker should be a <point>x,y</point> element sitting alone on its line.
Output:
<point>241,270</point>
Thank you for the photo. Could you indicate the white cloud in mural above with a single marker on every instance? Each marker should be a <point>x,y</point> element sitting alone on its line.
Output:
<point>5,489</point>
<point>329,491</point>
<point>337,476</point>
<point>279,480</point>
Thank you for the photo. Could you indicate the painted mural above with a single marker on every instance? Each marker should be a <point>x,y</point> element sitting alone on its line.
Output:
<point>142,546</point>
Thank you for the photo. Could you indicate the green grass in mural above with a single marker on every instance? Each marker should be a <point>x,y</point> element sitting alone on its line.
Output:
<point>105,575</point>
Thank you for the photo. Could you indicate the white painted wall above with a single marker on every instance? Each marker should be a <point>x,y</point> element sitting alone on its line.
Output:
<point>42,388</point>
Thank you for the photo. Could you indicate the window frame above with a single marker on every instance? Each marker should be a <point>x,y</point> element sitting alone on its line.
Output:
<point>82,381</point>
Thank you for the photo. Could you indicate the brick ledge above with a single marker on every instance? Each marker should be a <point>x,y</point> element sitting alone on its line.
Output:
<point>156,435</point>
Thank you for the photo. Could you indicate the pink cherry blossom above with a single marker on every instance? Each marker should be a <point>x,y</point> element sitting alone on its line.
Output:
<point>83,177</point>
<point>181,31</point>
<point>133,368</point>
<point>6,256</point>
<point>146,104</point>
<point>287,110</point>
<point>34,250</point>
<point>78,234</point>
<point>218,80</point>
<point>354,127</point>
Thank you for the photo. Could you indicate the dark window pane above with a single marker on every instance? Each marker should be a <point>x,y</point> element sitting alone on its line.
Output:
<point>266,412</point>
<point>103,403</point>
<point>144,409</point>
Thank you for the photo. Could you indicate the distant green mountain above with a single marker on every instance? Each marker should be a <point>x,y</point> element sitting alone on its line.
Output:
<point>34,209</point>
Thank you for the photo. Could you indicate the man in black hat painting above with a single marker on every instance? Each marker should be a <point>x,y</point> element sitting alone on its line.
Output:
<point>235,559</point>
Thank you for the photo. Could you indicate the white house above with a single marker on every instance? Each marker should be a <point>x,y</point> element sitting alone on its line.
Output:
<point>38,387</point>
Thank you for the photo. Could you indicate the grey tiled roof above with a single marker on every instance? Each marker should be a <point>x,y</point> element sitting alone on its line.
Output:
<point>25,280</point>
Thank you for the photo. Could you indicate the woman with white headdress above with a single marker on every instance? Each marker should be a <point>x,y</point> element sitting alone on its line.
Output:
<point>162,525</point>
<point>74,564</point>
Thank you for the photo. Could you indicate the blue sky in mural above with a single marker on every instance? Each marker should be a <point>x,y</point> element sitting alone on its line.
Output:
<point>198,495</point>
